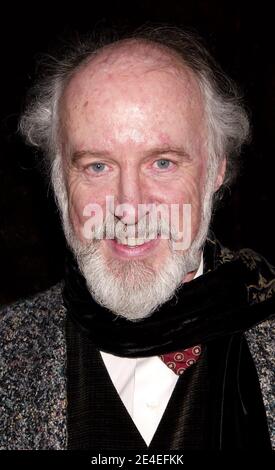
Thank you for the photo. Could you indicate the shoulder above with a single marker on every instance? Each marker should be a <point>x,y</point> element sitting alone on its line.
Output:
<point>260,282</point>
<point>31,327</point>
<point>32,371</point>
<point>27,317</point>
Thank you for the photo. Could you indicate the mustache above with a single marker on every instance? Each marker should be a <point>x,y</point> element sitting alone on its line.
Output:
<point>145,228</point>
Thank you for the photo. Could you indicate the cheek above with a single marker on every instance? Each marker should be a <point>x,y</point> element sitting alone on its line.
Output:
<point>188,190</point>
<point>80,197</point>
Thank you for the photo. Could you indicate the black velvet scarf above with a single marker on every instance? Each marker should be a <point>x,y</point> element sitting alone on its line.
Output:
<point>235,292</point>
<point>216,403</point>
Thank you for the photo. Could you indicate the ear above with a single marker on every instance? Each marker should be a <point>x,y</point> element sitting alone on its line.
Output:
<point>220,174</point>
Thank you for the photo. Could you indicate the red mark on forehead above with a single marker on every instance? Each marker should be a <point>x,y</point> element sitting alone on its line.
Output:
<point>164,138</point>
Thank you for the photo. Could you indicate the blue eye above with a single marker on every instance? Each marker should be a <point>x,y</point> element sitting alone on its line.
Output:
<point>163,164</point>
<point>98,167</point>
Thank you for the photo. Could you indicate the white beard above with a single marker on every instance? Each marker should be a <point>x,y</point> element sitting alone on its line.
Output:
<point>131,289</point>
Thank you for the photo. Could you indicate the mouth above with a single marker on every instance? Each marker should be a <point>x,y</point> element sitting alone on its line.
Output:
<point>131,247</point>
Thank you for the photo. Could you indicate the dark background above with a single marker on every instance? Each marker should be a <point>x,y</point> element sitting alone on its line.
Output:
<point>240,36</point>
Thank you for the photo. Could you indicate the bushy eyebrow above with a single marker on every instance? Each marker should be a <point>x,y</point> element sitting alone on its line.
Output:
<point>155,152</point>
<point>77,155</point>
<point>177,151</point>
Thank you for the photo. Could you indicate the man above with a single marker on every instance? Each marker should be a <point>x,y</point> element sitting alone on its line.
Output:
<point>144,343</point>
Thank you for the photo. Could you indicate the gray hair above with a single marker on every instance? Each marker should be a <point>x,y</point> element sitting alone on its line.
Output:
<point>227,120</point>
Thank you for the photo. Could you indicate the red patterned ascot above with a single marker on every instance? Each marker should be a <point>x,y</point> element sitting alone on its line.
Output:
<point>179,361</point>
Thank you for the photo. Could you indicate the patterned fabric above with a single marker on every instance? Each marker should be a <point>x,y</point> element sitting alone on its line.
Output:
<point>33,398</point>
<point>179,361</point>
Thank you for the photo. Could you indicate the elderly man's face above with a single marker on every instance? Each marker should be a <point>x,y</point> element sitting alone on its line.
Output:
<point>133,127</point>
<point>136,133</point>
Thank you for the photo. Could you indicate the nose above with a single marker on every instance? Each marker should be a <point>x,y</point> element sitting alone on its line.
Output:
<point>131,194</point>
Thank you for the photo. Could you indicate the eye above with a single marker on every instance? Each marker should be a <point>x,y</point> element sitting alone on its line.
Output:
<point>97,167</point>
<point>163,164</point>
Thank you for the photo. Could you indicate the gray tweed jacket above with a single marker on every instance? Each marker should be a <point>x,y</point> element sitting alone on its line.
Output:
<point>33,372</point>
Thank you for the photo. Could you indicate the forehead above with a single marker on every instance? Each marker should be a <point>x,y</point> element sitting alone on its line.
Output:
<point>132,63</point>
<point>130,87</point>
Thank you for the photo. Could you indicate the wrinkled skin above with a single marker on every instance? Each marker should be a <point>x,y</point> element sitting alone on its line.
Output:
<point>126,110</point>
